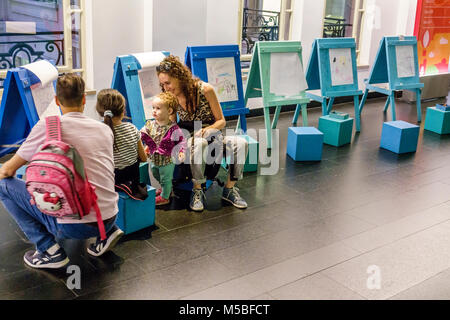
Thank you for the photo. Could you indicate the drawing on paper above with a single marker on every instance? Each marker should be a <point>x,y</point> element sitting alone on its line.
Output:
<point>222,76</point>
<point>287,77</point>
<point>341,66</point>
<point>405,61</point>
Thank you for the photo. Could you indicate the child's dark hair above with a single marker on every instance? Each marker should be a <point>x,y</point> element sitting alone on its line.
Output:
<point>110,104</point>
<point>70,90</point>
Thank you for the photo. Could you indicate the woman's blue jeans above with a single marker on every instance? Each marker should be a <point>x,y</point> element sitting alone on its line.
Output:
<point>41,229</point>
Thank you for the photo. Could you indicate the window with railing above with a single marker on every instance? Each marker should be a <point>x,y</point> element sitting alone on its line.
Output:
<point>262,20</point>
<point>343,18</point>
<point>31,30</point>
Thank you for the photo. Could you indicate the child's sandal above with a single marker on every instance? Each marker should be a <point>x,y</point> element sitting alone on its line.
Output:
<point>160,201</point>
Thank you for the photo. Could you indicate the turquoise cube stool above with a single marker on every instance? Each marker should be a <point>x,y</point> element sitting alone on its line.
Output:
<point>251,162</point>
<point>399,136</point>
<point>305,144</point>
<point>437,120</point>
<point>337,131</point>
<point>144,176</point>
<point>135,215</point>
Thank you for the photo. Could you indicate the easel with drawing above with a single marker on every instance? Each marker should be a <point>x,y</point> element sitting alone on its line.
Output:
<point>397,65</point>
<point>332,72</point>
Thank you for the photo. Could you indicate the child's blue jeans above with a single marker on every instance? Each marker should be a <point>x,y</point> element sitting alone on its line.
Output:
<point>41,229</point>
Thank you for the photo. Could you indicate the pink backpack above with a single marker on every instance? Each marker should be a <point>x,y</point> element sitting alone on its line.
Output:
<point>57,181</point>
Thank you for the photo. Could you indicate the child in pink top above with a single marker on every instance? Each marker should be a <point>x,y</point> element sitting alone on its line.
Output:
<point>165,143</point>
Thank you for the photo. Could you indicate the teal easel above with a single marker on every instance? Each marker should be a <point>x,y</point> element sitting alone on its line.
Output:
<point>126,81</point>
<point>396,64</point>
<point>332,69</point>
<point>259,80</point>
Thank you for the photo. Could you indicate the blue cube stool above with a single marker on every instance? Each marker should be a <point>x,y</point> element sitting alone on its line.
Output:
<point>304,144</point>
<point>399,136</point>
<point>337,132</point>
<point>251,162</point>
<point>135,215</point>
<point>437,120</point>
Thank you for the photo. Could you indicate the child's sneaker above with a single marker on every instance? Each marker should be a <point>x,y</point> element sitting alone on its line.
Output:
<point>54,258</point>
<point>101,246</point>
<point>160,201</point>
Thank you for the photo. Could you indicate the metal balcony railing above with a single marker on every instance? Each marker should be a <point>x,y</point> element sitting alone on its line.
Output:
<point>259,25</point>
<point>334,27</point>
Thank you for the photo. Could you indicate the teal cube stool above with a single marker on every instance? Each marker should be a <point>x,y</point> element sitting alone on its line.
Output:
<point>135,215</point>
<point>337,132</point>
<point>251,162</point>
<point>399,136</point>
<point>437,120</point>
<point>305,144</point>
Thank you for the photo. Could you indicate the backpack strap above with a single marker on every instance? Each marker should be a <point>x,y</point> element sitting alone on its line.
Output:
<point>101,225</point>
<point>53,128</point>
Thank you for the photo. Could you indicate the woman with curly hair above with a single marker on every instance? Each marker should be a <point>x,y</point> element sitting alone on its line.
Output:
<point>200,113</point>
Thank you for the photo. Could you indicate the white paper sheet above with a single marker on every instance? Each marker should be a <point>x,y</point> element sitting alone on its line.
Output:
<point>222,76</point>
<point>148,78</point>
<point>44,70</point>
<point>28,27</point>
<point>405,61</point>
<point>149,59</point>
<point>341,66</point>
<point>149,88</point>
<point>287,77</point>
<point>44,100</point>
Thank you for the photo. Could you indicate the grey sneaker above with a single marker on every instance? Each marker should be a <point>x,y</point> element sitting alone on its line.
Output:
<point>197,198</point>
<point>232,196</point>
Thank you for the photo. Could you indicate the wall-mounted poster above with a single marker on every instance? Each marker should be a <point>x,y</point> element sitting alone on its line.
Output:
<point>432,30</point>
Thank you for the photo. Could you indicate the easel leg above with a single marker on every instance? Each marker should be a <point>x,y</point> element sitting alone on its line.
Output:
<point>296,114</point>
<point>304,115</point>
<point>357,115</point>
<point>243,121</point>
<point>238,124</point>
<point>393,105</point>
<point>330,105</point>
<point>276,116</point>
<point>324,106</point>
<point>363,100</point>
<point>268,127</point>
<point>386,106</point>
<point>419,107</point>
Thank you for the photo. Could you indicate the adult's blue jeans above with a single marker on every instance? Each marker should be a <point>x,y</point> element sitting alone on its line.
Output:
<point>39,228</point>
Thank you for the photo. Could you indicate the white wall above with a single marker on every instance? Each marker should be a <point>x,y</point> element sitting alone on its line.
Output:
<point>307,24</point>
<point>179,23</point>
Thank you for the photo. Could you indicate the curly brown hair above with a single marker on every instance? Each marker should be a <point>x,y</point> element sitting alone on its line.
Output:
<point>189,85</point>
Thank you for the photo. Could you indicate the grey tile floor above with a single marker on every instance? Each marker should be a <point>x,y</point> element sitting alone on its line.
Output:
<point>364,223</point>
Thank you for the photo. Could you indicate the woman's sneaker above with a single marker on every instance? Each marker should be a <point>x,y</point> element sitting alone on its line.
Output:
<point>232,196</point>
<point>101,246</point>
<point>54,258</point>
<point>197,200</point>
<point>160,201</point>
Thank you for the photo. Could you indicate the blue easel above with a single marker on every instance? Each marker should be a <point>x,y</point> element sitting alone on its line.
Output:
<point>196,60</point>
<point>126,81</point>
<point>18,113</point>
<point>386,69</point>
<point>321,74</point>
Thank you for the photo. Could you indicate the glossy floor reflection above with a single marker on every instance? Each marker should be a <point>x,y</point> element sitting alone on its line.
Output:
<point>364,223</point>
